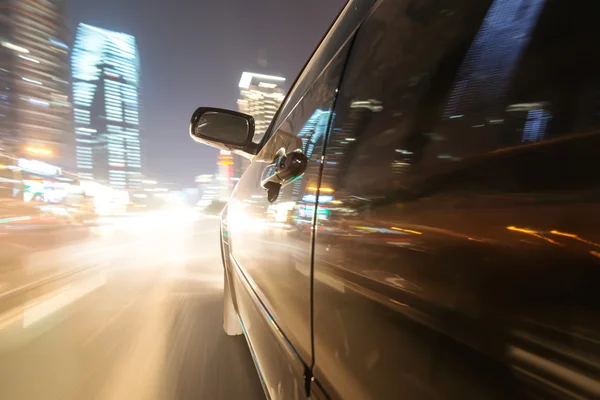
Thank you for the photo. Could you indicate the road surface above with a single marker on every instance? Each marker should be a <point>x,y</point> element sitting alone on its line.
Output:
<point>128,309</point>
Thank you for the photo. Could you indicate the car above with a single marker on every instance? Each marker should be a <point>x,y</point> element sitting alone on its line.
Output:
<point>433,172</point>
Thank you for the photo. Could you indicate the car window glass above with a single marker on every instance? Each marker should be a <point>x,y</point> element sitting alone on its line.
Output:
<point>429,91</point>
<point>339,33</point>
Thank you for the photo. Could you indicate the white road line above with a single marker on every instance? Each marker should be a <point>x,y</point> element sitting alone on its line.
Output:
<point>59,299</point>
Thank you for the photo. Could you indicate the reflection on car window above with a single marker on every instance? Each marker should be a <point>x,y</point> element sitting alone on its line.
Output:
<point>340,33</point>
<point>309,123</point>
<point>427,91</point>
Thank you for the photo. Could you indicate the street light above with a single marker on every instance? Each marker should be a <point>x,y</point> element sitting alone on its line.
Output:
<point>37,150</point>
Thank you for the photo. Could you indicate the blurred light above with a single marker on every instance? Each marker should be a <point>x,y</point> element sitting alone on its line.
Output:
<point>37,150</point>
<point>403,151</point>
<point>29,58</point>
<point>37,102</point>
<point>574,236</point>
<point>407,230</point>
<point>149,182</point>
<point>225,152</point>
<point>372,105</point>
<point>156,190</point>
<point>14,219</point>
<point>570,235</point>
<point>58,43</point>
<point>323,189</point>
<point>205,178</point>
<point>31,81</point>
<point>39,167</point>
<point>336,202</point>
<point>323,199</point>
<point>522,230</point>
<point>267,85</point>
<point>534,233</point>
<point>140,195</point>
<point>14,47</point>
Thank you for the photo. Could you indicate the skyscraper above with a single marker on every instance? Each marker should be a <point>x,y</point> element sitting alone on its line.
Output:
<point>105,68</point>
<point>35,114</point>
<point>260,96</point>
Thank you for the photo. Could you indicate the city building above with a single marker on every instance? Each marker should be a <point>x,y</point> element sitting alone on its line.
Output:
<point>224,174</point>
<point>208,191</point>
<point>106,84</point>
<point>35,113</point>
<point>260,96</point>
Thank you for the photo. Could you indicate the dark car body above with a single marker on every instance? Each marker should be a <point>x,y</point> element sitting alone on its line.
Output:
<point>444,238</point>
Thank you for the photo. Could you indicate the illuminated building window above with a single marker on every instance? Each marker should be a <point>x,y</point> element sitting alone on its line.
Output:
<point>105,70</point>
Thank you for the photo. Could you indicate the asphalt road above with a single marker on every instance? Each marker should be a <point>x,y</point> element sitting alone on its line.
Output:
<point>137,314</point>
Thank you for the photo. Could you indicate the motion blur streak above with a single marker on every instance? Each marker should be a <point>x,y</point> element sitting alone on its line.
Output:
<point>128,307</point>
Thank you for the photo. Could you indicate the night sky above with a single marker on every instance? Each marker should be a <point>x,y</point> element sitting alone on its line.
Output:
<point>193,53</point>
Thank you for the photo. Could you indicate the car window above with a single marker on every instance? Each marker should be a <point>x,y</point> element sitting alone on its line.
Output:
<point>339,33</point>
<point>495,76</point>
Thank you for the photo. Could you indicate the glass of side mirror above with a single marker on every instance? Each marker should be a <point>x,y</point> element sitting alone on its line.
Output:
<point>223,129</point>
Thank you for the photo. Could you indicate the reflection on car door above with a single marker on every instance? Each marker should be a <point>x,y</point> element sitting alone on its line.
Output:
<point>272,250</point>
<point>457,256</point>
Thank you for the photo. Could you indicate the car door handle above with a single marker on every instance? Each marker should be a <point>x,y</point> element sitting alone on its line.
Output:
<point>286,168</point>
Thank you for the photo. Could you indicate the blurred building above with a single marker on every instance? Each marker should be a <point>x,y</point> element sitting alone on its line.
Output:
<point>312,132</point>
<point>105,67</point>
<point>224,174</point>
<point>260,96</point>
<point>481,85</point>
<point>35,114</point>
<point>208,190</point>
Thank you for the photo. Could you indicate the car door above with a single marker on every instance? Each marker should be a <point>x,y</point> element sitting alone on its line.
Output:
<point>270,231</point>
<point>457,256</point>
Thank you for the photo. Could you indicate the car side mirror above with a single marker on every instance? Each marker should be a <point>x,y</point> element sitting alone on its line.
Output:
<point>223,129</point>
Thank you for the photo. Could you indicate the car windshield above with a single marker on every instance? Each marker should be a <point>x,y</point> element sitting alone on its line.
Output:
<point>111,276</point>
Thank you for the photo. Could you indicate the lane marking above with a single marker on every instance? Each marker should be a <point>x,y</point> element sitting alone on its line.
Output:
<point>59,299</point>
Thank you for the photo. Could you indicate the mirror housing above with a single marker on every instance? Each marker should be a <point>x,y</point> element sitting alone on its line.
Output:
<point>224,129</point>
